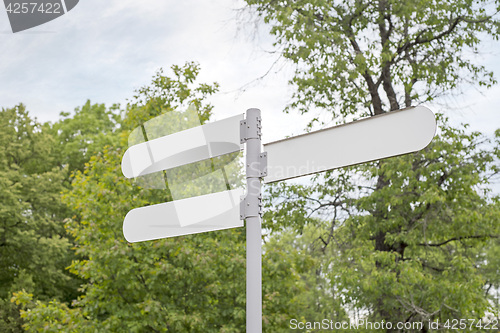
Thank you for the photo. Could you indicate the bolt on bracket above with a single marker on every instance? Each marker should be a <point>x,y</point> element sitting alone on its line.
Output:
<point>250,129</point>
<point>251,208</point>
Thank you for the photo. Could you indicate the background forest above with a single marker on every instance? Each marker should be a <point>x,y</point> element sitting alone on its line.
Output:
<point>408,239</point>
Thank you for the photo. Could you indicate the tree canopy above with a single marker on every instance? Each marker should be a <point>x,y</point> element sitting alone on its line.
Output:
<point>369,57</point>
<point>35,167</point>
<point>409,238</point>
<point>192,283</point>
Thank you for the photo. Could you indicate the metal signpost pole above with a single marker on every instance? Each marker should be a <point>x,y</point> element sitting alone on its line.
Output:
<point>396,133</point>
<point>252,208</point>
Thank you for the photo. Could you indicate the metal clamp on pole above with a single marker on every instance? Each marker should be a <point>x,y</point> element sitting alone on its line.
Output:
<point>251,211</point>
<point>251,207</point>
<point>250,128</point>
<point>256,164</point>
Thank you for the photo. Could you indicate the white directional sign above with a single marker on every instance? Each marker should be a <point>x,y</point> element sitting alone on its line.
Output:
<point>365,140</point>
<point>202,169</point>
<point>209,212</point>
<point>184,147</point>
<point>200,165</point>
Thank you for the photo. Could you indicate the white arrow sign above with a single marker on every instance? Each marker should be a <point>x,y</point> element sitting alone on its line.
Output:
<point>383,136</point>
<point>202,168</point>
<point>209,212</point>
<point>390,134</point>
<point>181,148</point>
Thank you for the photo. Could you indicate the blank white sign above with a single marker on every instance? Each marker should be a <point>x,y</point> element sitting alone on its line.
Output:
<point>210,212</point>
<point>391,134</point>
<point>181,148</point>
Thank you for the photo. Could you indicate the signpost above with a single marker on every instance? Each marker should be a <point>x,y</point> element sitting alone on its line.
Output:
<point>390,134</point>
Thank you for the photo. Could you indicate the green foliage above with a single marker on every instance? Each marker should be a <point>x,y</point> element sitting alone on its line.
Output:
<point>186,284</point>
<point>414,237</point>
<point>83,134</point>
<point>171,93</point>
<point>50,317</point>
<point>423,247</point>
<point>35,167</point>
<point>347,52</point>
<point>193,283</point>
<point>34,248</point>
<point>10,317</point>
<point>170,284</point>
<point>302,257</point>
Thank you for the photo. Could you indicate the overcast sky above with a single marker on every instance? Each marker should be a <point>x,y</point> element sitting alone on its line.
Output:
<point>103,50</point>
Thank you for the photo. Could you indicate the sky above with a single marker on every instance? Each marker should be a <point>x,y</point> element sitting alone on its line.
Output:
<point>104,50</point>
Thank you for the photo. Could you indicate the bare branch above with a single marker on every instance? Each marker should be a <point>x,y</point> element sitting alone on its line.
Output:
<point>458,239</point>
<point>452,26</point>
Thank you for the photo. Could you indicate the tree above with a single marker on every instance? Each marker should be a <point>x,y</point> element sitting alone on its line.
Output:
<point>35,167</point>
<point>193,283</point>
<point>441,226</point>
<point>34,247</point>
<point>369,57</point>
<point>83,134</point>
<point>363,58</point>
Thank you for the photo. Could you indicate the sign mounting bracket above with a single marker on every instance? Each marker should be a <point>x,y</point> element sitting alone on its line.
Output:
<point>250,128</point>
